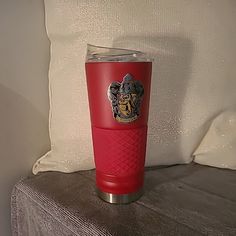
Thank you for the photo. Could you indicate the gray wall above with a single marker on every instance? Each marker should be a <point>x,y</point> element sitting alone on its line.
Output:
<point>24,58</point>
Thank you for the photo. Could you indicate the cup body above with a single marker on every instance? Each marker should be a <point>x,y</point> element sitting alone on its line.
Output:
<point>119,95</point>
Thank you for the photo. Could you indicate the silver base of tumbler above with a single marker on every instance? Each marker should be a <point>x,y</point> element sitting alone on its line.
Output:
<point>119,198</point>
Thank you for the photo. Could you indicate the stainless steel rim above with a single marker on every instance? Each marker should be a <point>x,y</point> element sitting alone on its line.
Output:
<point>119,198</point>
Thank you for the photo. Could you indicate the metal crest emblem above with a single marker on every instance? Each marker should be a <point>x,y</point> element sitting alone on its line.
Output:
<point>125,98</point>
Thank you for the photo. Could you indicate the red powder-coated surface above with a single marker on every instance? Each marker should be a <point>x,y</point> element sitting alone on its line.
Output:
<point>119,148</point>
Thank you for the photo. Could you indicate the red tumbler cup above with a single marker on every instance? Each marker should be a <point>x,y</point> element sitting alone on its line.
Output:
<point>118,83</point>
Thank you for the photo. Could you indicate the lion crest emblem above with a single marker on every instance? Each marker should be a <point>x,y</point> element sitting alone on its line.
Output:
<point>126,98</point>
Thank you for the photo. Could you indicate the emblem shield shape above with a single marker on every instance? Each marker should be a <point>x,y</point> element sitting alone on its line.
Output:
<point>126,98</point>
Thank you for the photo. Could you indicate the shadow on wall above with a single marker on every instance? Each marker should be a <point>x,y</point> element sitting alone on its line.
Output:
<point>171,72</point>
<point>24,60</point>
<point>23,138</point>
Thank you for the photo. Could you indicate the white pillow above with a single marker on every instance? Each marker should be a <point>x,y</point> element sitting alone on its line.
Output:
<point>218,147</point>
<point>193,44</point>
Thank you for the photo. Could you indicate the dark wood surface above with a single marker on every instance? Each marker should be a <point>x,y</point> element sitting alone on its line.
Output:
<point>178,200</point>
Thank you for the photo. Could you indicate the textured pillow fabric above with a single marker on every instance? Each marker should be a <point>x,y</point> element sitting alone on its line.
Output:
<point>218,147</point>
<point>193,45</point>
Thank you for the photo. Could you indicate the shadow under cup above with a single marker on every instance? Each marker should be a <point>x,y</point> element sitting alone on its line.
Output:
<point>119,94</point>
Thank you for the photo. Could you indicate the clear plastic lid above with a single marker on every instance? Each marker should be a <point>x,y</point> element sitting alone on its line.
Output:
<point>106,54</point>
